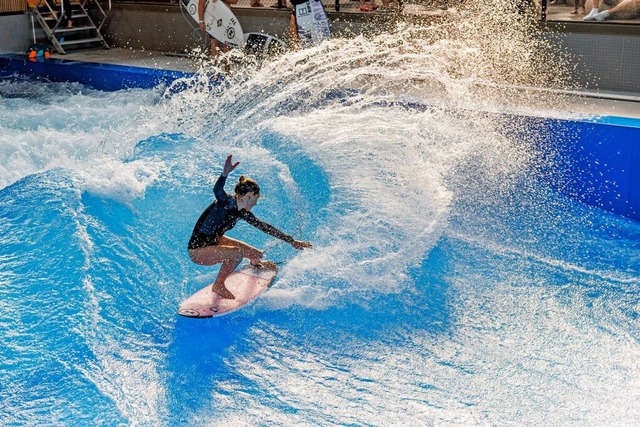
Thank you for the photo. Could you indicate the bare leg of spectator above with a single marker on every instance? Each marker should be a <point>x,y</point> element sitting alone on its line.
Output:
<point>366,8</point>
<point>626,10</point>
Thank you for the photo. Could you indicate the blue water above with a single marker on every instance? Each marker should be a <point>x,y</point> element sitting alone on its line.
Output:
<point>448,285</point>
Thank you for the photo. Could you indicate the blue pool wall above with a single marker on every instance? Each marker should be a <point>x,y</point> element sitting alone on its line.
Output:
<point>595,160</point>
<point>107,77</point>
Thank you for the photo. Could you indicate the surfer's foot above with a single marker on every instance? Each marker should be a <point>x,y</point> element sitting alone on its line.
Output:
<point>222,291</point>
<point>267,265</point>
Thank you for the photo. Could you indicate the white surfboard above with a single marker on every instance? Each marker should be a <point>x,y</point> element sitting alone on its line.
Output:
<point>246,285</point>
<point>263,45</point>
<point>312,22</point>
<point>219,21</point>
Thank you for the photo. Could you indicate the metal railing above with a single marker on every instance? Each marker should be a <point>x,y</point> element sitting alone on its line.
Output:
<point>620,11</point>
<point>79,29</point>
<point>331,5</point>
<point>13,6</point>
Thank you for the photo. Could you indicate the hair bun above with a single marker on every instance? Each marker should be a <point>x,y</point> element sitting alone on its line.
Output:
<point>246,185</point>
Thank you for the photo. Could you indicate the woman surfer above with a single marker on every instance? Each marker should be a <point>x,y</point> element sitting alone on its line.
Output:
<point>208,244</point>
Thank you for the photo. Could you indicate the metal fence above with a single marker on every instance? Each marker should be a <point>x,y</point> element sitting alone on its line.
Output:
<point>546,10</point>
<point>331,5</point>
<point>13,6</point>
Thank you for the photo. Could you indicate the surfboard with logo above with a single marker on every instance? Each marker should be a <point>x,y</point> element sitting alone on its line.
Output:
<point>219,21</point>
<point>263,45</point>
<point>246,285</point>
<point>312,22</point>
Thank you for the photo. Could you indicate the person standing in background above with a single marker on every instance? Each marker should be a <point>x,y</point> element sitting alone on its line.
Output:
<point>576,5</point>
<point>215,46</point>
<point>65,10</point>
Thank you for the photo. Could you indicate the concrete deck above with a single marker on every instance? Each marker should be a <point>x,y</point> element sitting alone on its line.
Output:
<point>133,58</point>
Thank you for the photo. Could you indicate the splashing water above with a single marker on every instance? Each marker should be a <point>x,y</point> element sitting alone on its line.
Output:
<point>448,285</point>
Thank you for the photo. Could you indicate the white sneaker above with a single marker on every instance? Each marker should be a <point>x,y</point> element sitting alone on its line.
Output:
<point>601,16</point>
<point>590,16</point>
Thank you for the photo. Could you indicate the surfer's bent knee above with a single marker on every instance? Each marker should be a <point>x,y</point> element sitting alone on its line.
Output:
<point>195,255</point>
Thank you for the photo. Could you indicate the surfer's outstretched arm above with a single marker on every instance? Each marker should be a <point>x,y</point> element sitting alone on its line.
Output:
<point>229,166</point>
<point>273,231</point>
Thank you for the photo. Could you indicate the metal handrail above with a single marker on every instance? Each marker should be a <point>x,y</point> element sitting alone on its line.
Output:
<point>104,14</point>
<point>400,5</point>
<point>53,12</point>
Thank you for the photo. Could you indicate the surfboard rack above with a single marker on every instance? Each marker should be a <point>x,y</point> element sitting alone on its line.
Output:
<point>84,33</point>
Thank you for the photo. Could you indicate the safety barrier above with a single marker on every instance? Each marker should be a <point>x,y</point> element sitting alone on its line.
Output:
<point>13,6</point>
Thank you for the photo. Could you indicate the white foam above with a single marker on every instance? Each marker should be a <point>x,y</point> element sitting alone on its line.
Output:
<point>393,172</point>
<point>65,127</point>
<point>117,180</point>
<point>394,176</point>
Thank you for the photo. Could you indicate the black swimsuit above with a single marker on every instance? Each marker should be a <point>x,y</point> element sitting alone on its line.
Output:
<point>221,216</point>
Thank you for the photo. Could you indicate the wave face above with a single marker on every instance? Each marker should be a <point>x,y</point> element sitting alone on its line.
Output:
<point>448,284</point>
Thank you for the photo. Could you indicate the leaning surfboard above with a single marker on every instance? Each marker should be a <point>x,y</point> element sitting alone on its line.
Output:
<point>312,22</point>
<point>263,45</point>
<point>219,21</point>
<point>246,285</point>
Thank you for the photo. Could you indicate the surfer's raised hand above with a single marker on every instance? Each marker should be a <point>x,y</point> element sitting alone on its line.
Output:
<point>229,166</point>
<point>299,244</point>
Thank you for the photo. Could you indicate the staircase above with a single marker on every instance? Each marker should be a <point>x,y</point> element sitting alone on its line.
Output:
<point>84,33</point>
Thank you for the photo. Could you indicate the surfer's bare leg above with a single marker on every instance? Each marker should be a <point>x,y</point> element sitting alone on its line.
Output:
<point>248,251</point>
<point>230,253</point>
<point>229,256</point>
<point>228,266</point>
<point>252,254</point>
